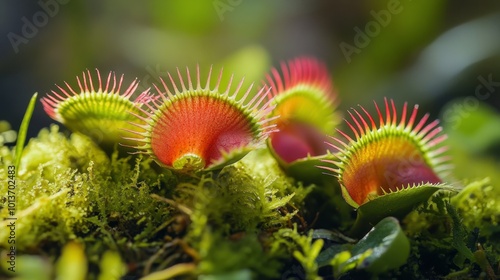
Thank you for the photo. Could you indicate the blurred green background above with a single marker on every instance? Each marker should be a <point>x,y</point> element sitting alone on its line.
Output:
<point>430,52</point>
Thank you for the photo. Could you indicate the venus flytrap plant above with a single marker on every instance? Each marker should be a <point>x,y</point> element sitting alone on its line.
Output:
<point>246,216</point>
<point>198,127</point>
<point>389,168</point>
<point>306,105</point>
<point>99,111</point>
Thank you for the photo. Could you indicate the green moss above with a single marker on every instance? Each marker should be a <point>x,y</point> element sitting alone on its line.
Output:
<point>221,255</point>
<point>232,211</point>
<point>69,189</point>
<point>243,197</point>
<point>302,247</point>
<point>52,196</point>
<point>478,206</point>
<point>53,152</point>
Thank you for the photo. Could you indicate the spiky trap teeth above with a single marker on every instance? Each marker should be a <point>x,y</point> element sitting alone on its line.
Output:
<point>383,159</point>
<point>305,101</point>
<point>191,128</point>
<point>101,111</point>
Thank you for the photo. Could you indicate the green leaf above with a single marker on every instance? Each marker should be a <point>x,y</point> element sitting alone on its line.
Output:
<point>384,248</point>
<point>396,204</point>
<point>23,130</point>
<point>389,247</point>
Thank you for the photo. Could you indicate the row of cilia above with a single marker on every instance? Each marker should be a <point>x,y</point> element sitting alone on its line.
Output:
<point>191,126</point>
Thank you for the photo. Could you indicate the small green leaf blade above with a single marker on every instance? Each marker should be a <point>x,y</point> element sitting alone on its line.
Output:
<point>23,130</point>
